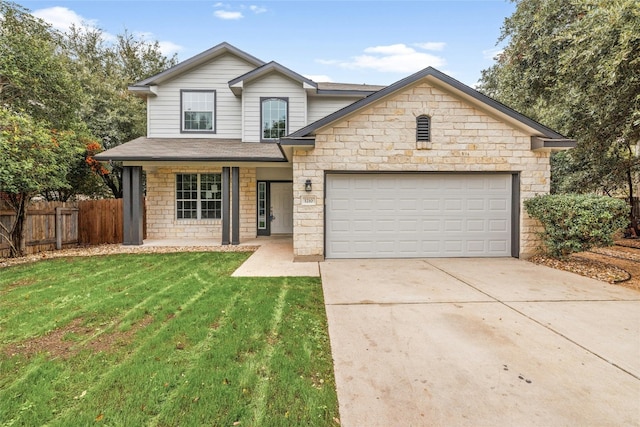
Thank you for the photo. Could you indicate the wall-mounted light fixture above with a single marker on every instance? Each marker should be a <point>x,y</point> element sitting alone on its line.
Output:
<point>307,186</point>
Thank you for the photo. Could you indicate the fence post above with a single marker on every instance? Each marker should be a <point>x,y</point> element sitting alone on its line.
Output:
<point>59,230</point>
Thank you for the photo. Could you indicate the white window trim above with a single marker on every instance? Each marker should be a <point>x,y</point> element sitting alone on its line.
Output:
<point>198,199</point>
<point>213,111</point>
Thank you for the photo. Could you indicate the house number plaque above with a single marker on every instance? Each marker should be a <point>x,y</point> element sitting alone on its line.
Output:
<point>308,200</point>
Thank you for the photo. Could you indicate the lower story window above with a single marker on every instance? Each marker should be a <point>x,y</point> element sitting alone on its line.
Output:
<point>198,196</point>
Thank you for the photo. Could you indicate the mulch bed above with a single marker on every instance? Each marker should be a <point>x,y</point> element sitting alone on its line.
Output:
<point>618,264</point>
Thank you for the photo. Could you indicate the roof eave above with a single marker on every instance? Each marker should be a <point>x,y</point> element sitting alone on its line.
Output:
<point>300,143</point>
<point>551,144</point>
<point>144,91</point>
<point>236,85</point>
<point>187,159</point>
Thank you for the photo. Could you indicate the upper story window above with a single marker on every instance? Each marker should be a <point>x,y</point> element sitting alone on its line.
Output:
<point>274,114</point>
<point>198,110</point>
<point>423,128</point>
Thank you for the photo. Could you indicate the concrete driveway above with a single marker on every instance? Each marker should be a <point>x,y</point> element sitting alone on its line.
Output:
<point>480,342</point>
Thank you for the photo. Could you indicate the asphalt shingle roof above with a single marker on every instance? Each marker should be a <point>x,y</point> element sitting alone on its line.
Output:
<point>193,149</point>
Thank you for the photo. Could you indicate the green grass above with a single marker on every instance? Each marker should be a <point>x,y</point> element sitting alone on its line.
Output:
<point>162,340</point>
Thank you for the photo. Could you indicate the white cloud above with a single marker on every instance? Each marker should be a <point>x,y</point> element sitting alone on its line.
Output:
<point>319,78</point>
<point>397,58</point>
<point>437,46</point>
<point>328,61</point>
<point>228,15</point>
<point>257,9</point>
<point>62,18</point>
<point>226,11</point>
<point>394,49</point>
<point>492,53</point>
<point>169,48</point>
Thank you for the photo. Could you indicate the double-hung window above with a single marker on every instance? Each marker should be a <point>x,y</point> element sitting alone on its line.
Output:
<point>198,196</point>
<point>274,114</point>
<point>198,110</point>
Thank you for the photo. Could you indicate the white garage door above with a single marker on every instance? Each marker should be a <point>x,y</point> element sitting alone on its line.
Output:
<point>418,215</point>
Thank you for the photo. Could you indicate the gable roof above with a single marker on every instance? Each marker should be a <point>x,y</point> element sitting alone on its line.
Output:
<point>237,84</point>
<point>431,73</point>
<point>188,64</point>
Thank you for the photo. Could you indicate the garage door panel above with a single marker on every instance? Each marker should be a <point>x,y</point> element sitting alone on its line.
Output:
<point>431,204</point>
<point>476,247</point>
<point>339,204</point>
<point>499,225</point>
<point>498,205</point>
<point>498,246</point>
<point>476,205</point>
<point>453,205</point>
<point>418,215</point>
<point>430,225</point>
<point>476,225</point>
<point>339,226</point>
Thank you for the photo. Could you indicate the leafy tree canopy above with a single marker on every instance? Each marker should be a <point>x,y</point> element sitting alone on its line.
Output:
<point>34,73</point>
<point>574,65</point>
<point>105,70</point>
<point>33,157</point>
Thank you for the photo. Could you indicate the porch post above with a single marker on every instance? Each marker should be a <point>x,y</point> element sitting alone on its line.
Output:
<point>132,233</point>
<point>235,211</point>
<point>225,205</point>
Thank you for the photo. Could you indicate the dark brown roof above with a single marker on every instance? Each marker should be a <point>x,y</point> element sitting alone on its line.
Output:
<point>193,149</point>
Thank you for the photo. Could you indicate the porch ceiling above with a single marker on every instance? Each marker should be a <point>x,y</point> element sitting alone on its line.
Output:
<point>193,149</point>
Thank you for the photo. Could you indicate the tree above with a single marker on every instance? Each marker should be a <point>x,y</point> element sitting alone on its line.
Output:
<point>34,74</point>
<point>39,101</point>
<point>33,157</point>
<point>575,66</point>
<point>113,114</point>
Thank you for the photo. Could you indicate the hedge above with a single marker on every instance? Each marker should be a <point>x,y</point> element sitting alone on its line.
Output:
<point>576,223</point>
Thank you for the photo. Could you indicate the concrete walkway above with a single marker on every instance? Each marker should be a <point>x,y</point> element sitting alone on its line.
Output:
<point>274,258</point>
<point>480,342</point>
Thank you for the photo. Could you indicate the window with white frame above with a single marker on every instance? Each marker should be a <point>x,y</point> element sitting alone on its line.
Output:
<point>198,196</point>
<point>273,116</point>
<point>198,110</point>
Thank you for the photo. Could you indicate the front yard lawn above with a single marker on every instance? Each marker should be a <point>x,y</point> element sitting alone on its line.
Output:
<point>164,340</point>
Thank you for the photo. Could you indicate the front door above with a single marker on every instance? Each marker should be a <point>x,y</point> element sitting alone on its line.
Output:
<point>281,207</point>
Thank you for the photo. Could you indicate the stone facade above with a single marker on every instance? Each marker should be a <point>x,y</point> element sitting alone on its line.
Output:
<point>161,206</point>
<point>382,137</point>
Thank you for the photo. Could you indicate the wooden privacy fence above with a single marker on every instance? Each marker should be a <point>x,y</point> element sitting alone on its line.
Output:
<point>55,225</point>
<point>49,225</point>
<point>100,221</point>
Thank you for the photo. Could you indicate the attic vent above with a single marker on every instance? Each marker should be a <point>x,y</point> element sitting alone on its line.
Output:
<point>423,128</point>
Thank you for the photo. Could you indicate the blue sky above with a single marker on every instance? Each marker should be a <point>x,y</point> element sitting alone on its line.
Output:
<point>373,42</point>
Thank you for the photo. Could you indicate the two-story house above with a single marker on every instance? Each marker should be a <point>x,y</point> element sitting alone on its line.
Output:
<point>426,167</point>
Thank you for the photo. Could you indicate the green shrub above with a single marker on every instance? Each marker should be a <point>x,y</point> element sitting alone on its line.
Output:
<point>576,223</point>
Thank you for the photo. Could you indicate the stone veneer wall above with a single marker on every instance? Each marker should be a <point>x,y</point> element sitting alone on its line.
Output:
<point>383,138</point>
<point>161,206</point>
